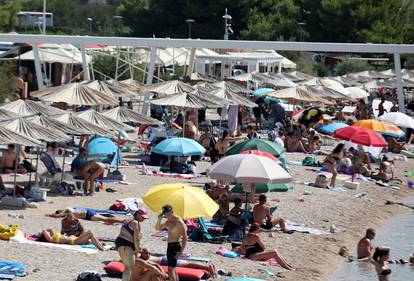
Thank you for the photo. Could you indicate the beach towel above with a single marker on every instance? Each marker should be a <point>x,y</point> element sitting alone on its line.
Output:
<point>175,175</point>
<point>20,238</point>
<point>224,252</point>
<point>99,211</point>
<point>303,228</point>
<point>131,203</point>
<point>12,269</point>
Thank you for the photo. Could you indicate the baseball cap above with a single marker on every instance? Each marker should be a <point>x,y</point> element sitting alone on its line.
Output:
<point>142,212</point>
<point>166,208</point>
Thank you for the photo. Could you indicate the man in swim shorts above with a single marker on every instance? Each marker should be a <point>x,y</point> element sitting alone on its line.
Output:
<point>89,215</point>
<point>177,230</point>
<point>262,215</point>
<point>364,248</point>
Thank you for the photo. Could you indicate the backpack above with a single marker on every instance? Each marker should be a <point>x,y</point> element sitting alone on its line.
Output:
<point>309,161</point>
<point>118,206</point>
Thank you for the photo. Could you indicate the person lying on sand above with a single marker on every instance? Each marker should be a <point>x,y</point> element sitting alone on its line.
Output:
<point>253,248</point>
<point>85,238</point>
<point>89,215</point>
<point>162,261</point>
<point>364,248</point>
<point>262,216</point>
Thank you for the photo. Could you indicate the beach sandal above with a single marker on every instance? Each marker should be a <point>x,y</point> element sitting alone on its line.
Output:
<point>223,273</point>
<point>110,190</point>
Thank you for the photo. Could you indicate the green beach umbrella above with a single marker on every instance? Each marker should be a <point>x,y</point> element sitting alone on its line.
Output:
<point>265,187</point>
<point>256,144</point>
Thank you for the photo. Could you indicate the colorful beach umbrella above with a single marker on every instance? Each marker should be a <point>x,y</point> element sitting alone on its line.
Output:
<point>188,202</point>
<point>179,147</point>
<point>399,119</point>
<point>360,136</point>
<point>265,187</point>
<point>256,144</point>
<point>331,128</point>
<point>394,131</point>
<point>380,127</point>
<point>261,153</point>
<point>262,91</point>
<point>248,168</point>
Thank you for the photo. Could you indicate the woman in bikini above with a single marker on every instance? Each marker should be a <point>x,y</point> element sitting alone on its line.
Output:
<point>85,238</point>
<point>379,260</point>
<point>332,159</point>
<point>254,249</point>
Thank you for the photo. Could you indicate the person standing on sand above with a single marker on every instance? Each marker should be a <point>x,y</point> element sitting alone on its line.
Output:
<point>128,241</point>
<point>364,248</point>
<point>262,215</point>
<point>177,230</point>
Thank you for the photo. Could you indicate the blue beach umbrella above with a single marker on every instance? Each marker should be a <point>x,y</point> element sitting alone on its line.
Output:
<point>179,147</point>
<point>331,128</point>
<point>262,91</point>
<point>100,148</point>
<point>269,99</point>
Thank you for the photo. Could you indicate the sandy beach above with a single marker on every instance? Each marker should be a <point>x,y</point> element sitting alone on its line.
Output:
<point>314,256</point>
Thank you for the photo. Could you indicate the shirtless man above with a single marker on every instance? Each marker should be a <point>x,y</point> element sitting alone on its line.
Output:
<point>262,216</point>
<point>364,248</point>
<point>177,230</point>
<point>88,214</point>
<point>163,261</point>
<point>9,159</point>
<point>147,270</point>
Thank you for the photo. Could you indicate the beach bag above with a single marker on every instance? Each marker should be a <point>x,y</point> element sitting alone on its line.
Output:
<point>89,276</point>
<point>115,269</point>
<point>309,161</point>
<point>321,181</point>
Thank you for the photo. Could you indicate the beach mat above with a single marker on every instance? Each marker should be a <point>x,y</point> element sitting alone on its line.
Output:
<point>303,228</point>
<point>99,211</point>
<point>175,175</point>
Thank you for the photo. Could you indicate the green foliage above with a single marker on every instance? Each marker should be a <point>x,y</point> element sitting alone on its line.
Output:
<point>321,70</point>
<point>7,80</point>
<point>8,10</point>
<point>302,63</point>
<point>274,20</point>
<point>409,63</point>
<point>70,16</point>
<point>105,64</point>
<point>349,66</point>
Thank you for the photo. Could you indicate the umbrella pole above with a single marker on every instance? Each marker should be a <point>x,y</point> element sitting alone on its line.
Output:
<point>30,175</point>
<point>245,217</point>
<point>37,166</point>
<point>63,164</point>
<point>119,151</point>
<point>16,164</point>
<point>184,122</point>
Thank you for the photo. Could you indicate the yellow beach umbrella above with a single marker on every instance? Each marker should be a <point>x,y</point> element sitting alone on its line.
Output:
<point>187,201</point>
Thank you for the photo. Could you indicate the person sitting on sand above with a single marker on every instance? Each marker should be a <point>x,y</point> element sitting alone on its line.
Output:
<point>386,172</point>
<point>364,248</point>
<point>214,190</point>
<point>8,161</point>
<point>332,159</point>
<point>262,216</point>
<point>295,143</point>
<point>88,170</point>
<point>253,248</point>
<point>2,186</point>
<point>221,215</point>
<point>146,270</point>
<point>162,261</point>
<point>85,238</point>
<point>395,146</point>
<point>71,225</point>
<point>234,218</point>
<point>89,215</point>
<point>361,160</point>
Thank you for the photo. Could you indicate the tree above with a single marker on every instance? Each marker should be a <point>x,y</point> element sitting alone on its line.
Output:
<point>8,10</point>
<point>274,20</point>
<point>7,80</point>
<point>349,66</point>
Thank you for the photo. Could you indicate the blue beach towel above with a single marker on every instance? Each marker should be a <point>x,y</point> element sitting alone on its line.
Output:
<point>104,211</point>
<point>12,268</point>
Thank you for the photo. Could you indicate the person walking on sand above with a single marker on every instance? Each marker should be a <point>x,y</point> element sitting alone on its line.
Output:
<point>262,215</point>
<point>364,248</point>
<point>177,230</point>
<point>128,241</point>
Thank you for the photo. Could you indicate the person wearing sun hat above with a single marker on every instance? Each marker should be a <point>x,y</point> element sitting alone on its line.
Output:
<point>128,241</point>
<point>177,230</point>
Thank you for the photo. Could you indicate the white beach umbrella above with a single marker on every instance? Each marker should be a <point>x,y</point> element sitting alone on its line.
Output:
<point>169,87</point>
<point>124,115</point>
<point>399,119</point>
<point>103,121</point>
<point>82,124</point>
<point>5,114</point>
<point>29,107</point>
<point>248,168</point>
<point>357,93</point>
